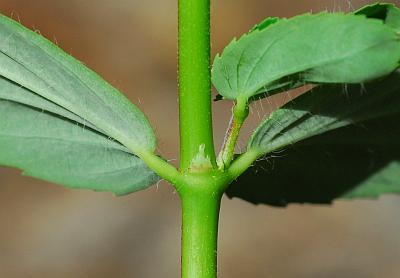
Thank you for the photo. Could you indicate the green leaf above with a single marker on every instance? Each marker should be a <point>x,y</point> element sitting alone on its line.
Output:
<point>32,62</point>
<point>62,123</point>
<point>56,149</point>
<point>322,48</point>
<point>322,169</point>
<point>13,92</point>
<point>332,142</point>
<point>326,108</point>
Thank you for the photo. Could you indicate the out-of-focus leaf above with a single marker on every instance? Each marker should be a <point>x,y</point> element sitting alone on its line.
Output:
<point>331,142</point>
<point>322,48</point>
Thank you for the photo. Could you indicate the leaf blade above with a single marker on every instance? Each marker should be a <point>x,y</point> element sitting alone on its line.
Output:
<point>328,143</point>
<point>326,108</point>
<point>62,123</point>
<point>13,92</point>
<point>59,150</point>
<point>309,47</point>
<point>41,67</point>
<point>320,170</point>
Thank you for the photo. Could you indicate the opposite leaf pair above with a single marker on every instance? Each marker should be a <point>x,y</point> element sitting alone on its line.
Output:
<point>62,123</point>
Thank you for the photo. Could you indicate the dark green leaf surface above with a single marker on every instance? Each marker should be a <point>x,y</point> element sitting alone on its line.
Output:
<point>322,48</point>
<point>59,150</point>
<point>361,161</point>
<point>326,108</point>
<point>265,24</point>
<point>36,64</point>
<point>62,123</point>
<point>331,142</point>
<point>389,13</point>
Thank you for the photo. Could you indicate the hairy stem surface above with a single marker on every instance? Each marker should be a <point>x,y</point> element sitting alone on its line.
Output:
<point>239,114</point>
<point>195,83</point>
<point>200,212</point>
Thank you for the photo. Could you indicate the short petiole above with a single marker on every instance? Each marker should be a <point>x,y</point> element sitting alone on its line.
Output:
<point>239,114</point>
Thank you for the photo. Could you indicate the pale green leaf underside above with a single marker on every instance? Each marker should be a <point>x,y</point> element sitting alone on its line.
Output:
<point>58,150</point>
<point>332,142</point>
<point>322,48</point>
<point>62,123</point>
<point>14,92</point>
<point>32,62</point>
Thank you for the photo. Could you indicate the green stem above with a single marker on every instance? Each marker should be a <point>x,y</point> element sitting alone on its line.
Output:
<point>242,163</point>
<point>239,114</point>
<point>194,82</point>
<point>161,167</point>
<point>200,212</point>
<point>200,186</point>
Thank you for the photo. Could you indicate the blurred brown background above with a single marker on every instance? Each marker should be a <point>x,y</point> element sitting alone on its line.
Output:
<point>48,231</point>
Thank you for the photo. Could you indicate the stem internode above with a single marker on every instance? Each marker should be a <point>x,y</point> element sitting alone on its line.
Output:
<point>194,81</point>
